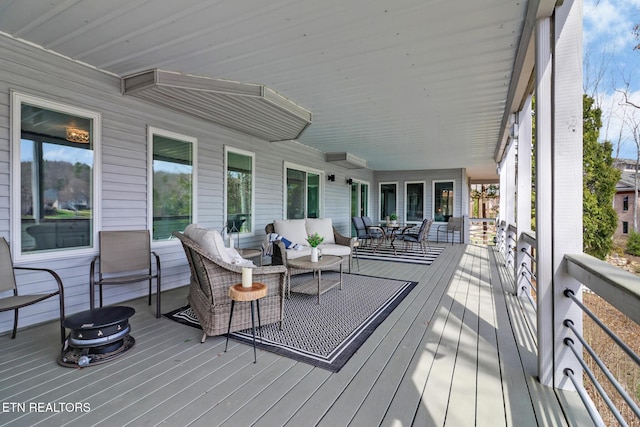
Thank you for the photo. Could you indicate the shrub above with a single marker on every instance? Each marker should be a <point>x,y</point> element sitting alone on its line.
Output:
<point>633,244</point>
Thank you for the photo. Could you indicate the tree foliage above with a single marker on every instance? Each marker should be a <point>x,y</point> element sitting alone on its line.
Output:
<point>600,178</point>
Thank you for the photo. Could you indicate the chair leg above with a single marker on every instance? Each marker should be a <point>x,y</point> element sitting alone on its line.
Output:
<point>158,293</point>
<point>149,291</point>
<point>15,323</point>
<point>100,290</point>
<point>62,331</point>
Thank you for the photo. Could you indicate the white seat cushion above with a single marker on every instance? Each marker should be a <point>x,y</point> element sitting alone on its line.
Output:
<point>292,229</point>
<point>322,226</point>
<point>334,249</point>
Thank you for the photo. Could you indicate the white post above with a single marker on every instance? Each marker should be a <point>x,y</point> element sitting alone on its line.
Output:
<point>558,186</point>
<point>510,195</point>
<point>567,180</point>
<point>544,211</point>
<point>523,202</point>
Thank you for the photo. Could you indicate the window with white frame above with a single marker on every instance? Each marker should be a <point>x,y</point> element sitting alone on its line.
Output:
<point>388,198</point>
<point>173,182</point>
<point>414,201</point>
<point>443,197</point>
<point>55,164</point>
<point>240,182</point>
<point>303,192</point>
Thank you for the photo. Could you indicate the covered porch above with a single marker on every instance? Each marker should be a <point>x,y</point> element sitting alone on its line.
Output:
<point>457,351</point>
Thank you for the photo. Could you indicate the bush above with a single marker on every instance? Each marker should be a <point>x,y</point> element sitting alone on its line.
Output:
<point>633,244</point>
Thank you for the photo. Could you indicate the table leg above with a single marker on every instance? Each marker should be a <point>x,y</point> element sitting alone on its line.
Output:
<point>319,280</point>
<point>229,328</point>
<point>253,333</point>
<point>259,322</point>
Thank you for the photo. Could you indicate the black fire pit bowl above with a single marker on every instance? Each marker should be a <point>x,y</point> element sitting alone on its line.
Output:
<point>96,336</point>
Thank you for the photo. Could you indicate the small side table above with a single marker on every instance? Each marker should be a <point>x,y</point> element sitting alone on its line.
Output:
<point>240,294</point>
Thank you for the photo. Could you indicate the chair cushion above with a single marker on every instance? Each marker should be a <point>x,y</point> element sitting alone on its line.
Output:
<point>322,226</point>
<point>213,244</point>
<point>334,249</point>
<point>292,229</point>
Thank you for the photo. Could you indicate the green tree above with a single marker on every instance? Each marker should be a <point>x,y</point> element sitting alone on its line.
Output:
<point>600,179</point>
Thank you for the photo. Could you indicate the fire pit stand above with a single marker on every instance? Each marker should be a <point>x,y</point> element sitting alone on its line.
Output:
<point>97,336</point>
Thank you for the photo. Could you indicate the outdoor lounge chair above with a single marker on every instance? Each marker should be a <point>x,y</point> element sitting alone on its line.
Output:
<point>125,258</point>
<point>211,278</point>
<point>17,301</point>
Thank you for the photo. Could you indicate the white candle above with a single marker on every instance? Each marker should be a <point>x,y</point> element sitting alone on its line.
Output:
<point>247,277</point>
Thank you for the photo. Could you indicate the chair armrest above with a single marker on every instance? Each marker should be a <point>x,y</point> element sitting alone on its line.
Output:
<point>342,240</point>
<point>53,273</point>
<point>157,257</point>
<point>376,228</point>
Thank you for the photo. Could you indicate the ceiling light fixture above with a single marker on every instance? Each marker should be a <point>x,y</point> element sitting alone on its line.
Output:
<point>77,135</point>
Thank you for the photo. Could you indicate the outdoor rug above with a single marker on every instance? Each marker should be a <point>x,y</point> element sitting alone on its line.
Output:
<point>412,256</point>
<point>326,334</point>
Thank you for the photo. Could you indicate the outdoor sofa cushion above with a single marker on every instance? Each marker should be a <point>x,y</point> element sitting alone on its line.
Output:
<point>211,241</point>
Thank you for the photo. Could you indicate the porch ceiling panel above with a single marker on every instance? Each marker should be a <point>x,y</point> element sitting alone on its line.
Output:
<point>404,85</point>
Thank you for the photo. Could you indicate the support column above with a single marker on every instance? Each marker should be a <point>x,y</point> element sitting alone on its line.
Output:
<point>558,185</point>
<point>523,202</point>
<point>510,195</point>
<point>567,179</point>
<point>545,323</point>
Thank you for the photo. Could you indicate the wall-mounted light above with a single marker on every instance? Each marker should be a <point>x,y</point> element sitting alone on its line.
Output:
<point>349,181</point>
<point>331,178</point>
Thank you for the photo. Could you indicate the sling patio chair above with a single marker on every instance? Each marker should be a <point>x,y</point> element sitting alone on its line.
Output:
<point>17,301</point>
<point>410,238</point>
<point>125,258</point>
<point>453,225</point>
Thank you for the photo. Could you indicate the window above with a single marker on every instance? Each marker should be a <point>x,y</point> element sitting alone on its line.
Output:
<point>173,182</point>
<point>442,200</point>
<point>414,201</point>
<point>239,187</point>
<point>303,192</point>
<point>625,227</point>
<point>625,203</point>
<point>388,199</point>
<point>54,180</point>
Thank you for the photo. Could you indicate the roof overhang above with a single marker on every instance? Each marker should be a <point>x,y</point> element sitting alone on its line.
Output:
<point>250,108</point>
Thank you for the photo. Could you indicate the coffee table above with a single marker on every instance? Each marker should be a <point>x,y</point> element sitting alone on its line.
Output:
<point>315,286</point>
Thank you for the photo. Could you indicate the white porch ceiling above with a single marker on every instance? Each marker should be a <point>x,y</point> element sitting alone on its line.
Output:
<point>402,84</point>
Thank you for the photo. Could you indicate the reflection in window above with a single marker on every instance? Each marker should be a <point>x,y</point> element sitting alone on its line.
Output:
<point>303,194</point>
<point>56,179</point>
<point>173,184</point>
<point>388,192</point>
<point>414,200</point>
<point>443,201</point>
<point>239,191</point>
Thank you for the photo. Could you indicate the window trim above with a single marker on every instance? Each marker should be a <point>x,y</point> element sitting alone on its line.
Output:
<point>151,131</point>
<point>433,197</point>
<point>17,99</point>
<point>380,184</point>
<point>424,201</point>
<point>228,149</point>
<point>306,169</point>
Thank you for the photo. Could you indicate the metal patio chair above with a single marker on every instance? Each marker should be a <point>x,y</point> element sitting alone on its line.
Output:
<point>125,258</point>
<point>17,301</point>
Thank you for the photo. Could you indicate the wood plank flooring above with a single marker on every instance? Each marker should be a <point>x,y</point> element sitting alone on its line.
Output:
<point>455,352</point>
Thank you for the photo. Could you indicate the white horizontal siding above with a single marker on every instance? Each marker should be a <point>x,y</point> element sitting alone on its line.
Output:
<point>124,171</point>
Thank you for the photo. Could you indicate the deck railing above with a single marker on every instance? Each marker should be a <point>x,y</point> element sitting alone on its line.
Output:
<point>619,288</point>
<point>482,231</point>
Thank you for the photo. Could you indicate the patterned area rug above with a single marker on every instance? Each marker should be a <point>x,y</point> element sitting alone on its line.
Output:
<point>328,334</point>
<point>412,256</point>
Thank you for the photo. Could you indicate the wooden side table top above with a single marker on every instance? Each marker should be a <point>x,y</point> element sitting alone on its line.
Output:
<point>238,293</point>
<point>324,263</point>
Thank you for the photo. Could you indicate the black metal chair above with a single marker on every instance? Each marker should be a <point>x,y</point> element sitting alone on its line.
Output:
<point>410,238</point>
<point>374,231</point>
<point>16,301</point>
<point>125,257</point>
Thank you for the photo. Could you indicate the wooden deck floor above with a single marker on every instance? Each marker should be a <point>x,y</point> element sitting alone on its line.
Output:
<point>456,352</point>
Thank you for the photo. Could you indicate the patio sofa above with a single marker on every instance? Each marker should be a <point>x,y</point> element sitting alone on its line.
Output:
<point>296,231</point>
<point>211,277</point>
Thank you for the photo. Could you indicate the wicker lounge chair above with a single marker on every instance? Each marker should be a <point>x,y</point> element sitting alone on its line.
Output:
<point>209,288</point>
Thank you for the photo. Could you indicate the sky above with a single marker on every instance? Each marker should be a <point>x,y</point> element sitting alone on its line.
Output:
<point>612,67</point>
